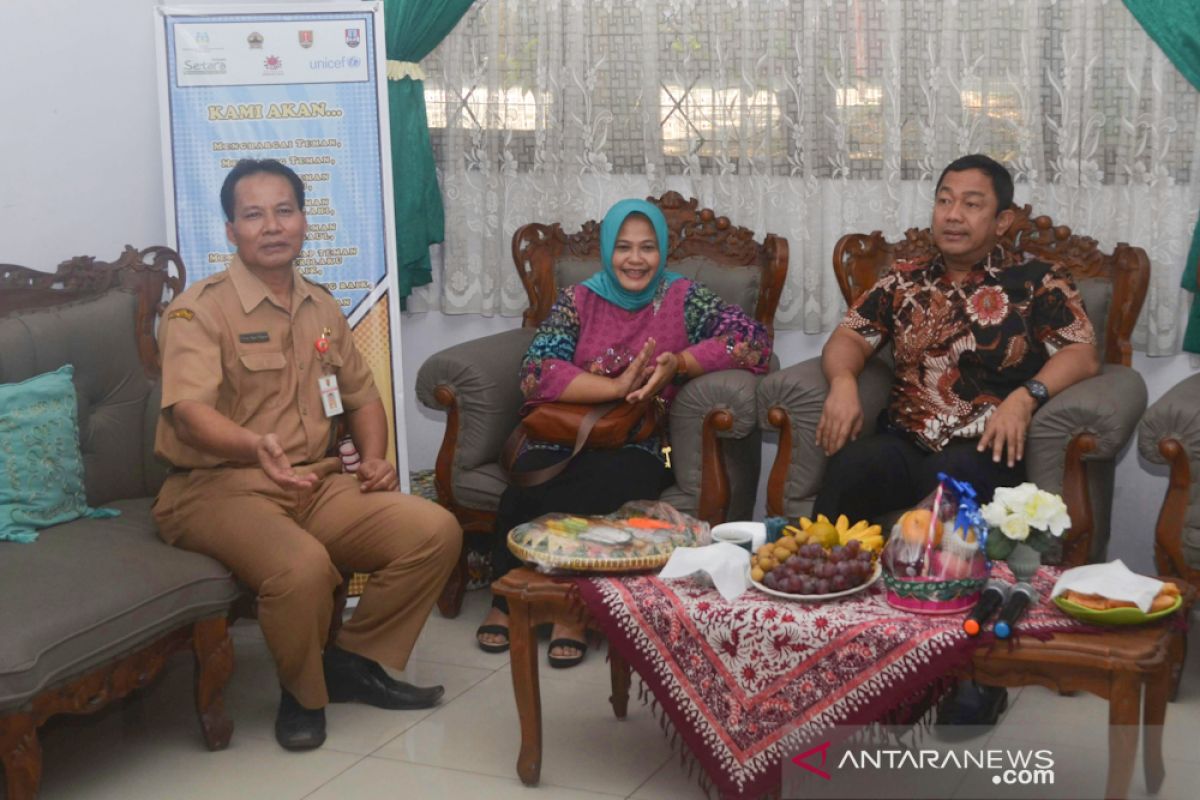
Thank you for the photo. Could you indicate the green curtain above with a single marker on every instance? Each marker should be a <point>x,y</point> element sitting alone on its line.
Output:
<point>1175,26</point>
<point>414,28</point>
<point>1191,282</point>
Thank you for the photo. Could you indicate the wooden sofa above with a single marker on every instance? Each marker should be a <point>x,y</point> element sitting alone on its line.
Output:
<point>1170,434</point>
<point>91,610</point>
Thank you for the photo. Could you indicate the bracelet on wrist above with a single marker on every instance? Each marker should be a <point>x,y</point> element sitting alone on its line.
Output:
<point>681,371</point>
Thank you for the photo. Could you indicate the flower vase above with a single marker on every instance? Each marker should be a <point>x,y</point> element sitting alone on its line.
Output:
<point>1024,562</point>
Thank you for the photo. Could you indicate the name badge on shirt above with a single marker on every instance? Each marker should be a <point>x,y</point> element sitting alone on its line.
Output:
<point>258,337</point>
<point>331,398</point>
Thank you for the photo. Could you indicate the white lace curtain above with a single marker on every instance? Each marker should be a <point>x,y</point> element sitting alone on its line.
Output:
<point>809,119</point>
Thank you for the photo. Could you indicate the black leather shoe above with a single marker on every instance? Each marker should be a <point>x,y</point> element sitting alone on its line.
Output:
<point>297,727</point>
<point>970,711</point>
<point>349,677</point>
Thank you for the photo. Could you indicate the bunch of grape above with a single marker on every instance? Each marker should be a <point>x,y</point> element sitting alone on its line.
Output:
<point>815,570</point>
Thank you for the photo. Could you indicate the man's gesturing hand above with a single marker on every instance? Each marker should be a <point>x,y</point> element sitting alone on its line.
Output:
<point>841,417</point>
<point>377,475</point>
<point>274,462</point>
<point>1007,427</point>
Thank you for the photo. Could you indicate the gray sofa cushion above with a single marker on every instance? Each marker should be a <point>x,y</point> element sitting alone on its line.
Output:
<point>735,285</point>
<point>1097,297</point>
<point>97,337</point>
<point>480,488</point>
<point>92,590</point>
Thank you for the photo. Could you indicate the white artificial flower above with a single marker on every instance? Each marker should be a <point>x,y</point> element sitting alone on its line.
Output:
<point>994,513</point>
<point>1015,527</point>
<point>1016,497</point>
<point>1047,512</point>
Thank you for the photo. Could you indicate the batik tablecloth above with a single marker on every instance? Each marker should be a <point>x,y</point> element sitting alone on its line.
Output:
<point>744,682</point>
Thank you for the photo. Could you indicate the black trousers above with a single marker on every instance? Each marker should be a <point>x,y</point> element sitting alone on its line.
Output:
<point>887,472</point>
<point>595,482</point>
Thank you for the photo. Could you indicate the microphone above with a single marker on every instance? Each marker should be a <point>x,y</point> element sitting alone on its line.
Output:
<point>994,595</point>
<point>1019,599</point>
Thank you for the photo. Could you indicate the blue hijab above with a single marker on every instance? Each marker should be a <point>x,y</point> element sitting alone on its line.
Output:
<point>605,282</point>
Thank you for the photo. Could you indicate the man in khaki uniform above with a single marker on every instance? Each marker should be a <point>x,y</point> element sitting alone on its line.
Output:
<point>246,427</point>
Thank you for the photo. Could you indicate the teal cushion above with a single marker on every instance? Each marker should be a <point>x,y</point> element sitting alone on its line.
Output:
<point>41,473</point>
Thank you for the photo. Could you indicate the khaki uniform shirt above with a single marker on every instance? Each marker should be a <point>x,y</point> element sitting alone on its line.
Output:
<point>228,343</point>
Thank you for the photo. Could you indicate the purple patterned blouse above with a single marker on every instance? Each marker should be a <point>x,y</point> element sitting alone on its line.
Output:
<point>586,332</point>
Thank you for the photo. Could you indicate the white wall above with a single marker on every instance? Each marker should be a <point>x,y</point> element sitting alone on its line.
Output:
<point>80,173</point>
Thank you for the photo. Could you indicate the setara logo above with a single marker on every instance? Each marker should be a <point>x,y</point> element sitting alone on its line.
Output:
<point>214,67</point>
<point>273,63</point>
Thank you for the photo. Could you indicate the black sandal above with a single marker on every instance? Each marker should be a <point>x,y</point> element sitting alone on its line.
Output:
<point>494,629</point>
<point>562,662</point>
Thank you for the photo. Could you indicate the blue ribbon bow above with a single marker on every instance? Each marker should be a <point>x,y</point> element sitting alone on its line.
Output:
<point>968,515</point>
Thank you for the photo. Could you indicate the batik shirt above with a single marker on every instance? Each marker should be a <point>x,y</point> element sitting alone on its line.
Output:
<point>960,349</point>
<point>585,332</point>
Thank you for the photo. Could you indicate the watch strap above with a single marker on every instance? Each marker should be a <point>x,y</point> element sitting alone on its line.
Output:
<point>1038,391</point>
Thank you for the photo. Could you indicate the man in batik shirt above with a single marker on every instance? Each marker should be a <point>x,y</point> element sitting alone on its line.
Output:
<point>982,338</point>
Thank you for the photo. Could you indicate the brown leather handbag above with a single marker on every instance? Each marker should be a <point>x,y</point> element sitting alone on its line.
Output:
<point>604,426</point>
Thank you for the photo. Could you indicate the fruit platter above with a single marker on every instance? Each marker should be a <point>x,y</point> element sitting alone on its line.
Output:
<point>818,560</point>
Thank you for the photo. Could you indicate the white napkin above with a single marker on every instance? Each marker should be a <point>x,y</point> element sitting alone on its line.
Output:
<point>727,564</point>
<point>1113,580</point>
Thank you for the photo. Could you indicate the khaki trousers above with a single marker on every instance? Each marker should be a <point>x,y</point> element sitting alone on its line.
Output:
<point>288,549</point>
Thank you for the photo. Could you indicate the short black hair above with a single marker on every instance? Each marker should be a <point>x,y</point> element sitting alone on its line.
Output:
<point>252,166</point>
<point>1002,182</point>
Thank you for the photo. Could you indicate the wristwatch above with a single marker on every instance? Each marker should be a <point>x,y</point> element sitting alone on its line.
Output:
<point>1038,390</point>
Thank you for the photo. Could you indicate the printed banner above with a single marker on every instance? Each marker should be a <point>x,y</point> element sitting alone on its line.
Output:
<point>307,86</point>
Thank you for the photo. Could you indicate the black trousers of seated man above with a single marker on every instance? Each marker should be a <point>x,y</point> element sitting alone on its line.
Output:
<point>888,471</point>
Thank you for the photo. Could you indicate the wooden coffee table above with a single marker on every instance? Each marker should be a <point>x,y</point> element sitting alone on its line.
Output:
<point>1114,665</point>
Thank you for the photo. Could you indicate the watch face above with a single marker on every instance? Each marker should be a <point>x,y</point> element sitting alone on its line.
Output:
<point>1038,390</point>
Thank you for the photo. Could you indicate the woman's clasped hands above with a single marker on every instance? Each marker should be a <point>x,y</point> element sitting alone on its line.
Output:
<point>646,375</point>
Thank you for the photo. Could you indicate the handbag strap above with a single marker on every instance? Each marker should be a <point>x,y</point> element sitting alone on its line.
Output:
<point>539,476</point>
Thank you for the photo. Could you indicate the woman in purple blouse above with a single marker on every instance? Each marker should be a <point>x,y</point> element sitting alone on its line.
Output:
<point>631,331</point>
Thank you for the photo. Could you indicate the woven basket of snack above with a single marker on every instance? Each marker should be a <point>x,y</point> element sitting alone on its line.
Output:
<point>640,535</point>
<point>933,562</point>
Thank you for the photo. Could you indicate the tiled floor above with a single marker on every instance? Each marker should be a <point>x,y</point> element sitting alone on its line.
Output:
<point>150,746</point>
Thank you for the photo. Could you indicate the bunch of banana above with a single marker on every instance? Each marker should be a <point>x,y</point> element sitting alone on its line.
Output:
<point>828,534</point>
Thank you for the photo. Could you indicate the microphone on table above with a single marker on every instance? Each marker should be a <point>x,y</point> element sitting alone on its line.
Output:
<point>1020,598</point>
<point>993,597</point>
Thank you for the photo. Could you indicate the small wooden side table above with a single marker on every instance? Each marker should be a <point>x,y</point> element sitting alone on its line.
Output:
<point>1113,665</point>
<point>535,599</point>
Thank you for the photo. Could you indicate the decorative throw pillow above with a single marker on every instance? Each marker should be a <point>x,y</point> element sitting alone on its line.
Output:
<point>41,472</point>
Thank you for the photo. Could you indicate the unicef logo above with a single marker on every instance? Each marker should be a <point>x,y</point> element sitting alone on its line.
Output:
<point>345,62</point>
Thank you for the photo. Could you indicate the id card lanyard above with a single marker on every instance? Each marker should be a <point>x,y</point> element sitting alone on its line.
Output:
<point>331,398</point>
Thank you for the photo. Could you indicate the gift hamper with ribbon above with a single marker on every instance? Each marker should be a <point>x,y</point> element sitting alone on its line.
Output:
<point>934,562</point>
